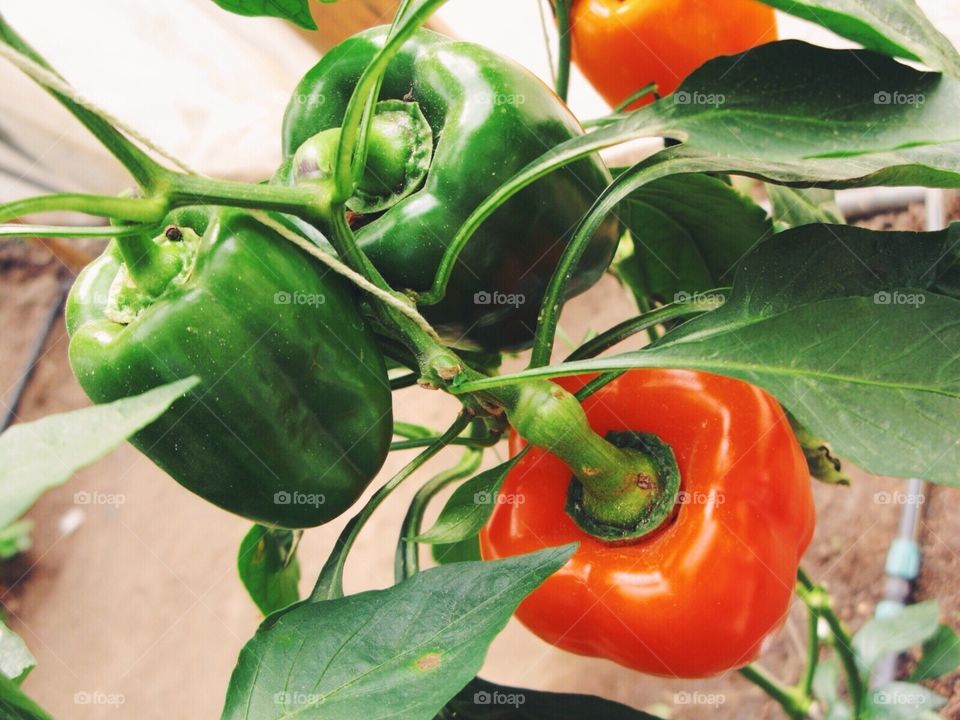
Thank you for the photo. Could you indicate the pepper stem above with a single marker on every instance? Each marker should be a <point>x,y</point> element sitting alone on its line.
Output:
<point>151,266</point>
<point>624,485</point>
<point>399,151</point>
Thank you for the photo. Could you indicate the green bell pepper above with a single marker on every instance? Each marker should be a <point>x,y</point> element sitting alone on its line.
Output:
<point>292,419</point>
<point>487,118</point>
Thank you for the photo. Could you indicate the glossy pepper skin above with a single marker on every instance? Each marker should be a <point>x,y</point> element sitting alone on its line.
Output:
<point>292,418</point>
<point>702,593</point>
<point>490,117</point>
<point>623,45</point>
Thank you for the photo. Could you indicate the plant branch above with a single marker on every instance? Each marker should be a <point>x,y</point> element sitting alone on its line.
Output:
<point>329,584</point>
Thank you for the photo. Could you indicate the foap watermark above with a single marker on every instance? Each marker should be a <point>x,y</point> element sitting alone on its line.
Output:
<point>497,99</point>
<point>898,498</point>
<point>896,297</point>
<point>499,298</point>
<point>682,97</point>
<point>98,498</point>
<point>98,697</point>
<point>281,297</point>
<point>483,697</point>
<point>895,97</point>
<point>697,497</point>
<point>298,498</point>
<point>294,699</point>
<point>901,697</point>
<point>699,298</point>
<point>491,498</point>
<point>699,698</point>
<point>309,100</point>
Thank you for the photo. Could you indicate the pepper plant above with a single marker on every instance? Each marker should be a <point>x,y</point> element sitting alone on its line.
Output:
<point>436,206</point>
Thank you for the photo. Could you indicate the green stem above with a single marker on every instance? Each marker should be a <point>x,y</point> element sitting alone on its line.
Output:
<point>633,97</point>
<point>409,430</point>
<point>563,67</point>
<point>141,166</point>
<point>140,210</point>
<point>352,153</point>
<point>404,381</point>
<point>817,599</point>
<point>407,563</point>
<point>415,443</point>
<point>306,202</point>
<point>813,651</point>
<point>647,320</point>
<point>794,705</point>
<point>329,585</point>
<point>61,231</point>
<point>151,266</point>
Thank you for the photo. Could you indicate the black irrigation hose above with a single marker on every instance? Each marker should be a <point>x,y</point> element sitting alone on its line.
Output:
<point>23,381</point>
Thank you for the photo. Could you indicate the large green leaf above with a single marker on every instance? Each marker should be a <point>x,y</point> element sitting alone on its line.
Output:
<point>845,327</point>
<point>689,232</point>
<point>296,11</point>
<point>269,568</point>
<point>403,652</point>
<point>39,455</point>
<point>881,637</point>
<point>481,700</point>
<point>894,27</point>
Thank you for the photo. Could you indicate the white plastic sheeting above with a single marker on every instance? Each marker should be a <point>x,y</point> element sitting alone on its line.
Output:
<point>210,86</point>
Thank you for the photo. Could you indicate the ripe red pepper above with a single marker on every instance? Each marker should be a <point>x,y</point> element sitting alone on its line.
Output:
<point>703,592</point>
<point>623,45</point>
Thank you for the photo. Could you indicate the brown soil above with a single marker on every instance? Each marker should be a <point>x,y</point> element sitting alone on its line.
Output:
<point>137,606</point>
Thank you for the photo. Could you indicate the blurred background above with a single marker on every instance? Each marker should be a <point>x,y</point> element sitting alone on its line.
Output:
<point>138,599</point>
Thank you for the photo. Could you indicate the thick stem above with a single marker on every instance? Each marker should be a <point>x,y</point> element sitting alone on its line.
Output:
<point>139,210</point>
<point>622,492</point>
<point>71,231</point>
<point>330,583</point>
<point>306,203</point>
<point>151,266</point>
<point>794,705</point>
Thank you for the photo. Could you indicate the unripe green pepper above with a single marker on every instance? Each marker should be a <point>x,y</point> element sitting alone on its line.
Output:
<point>292,419</point>
<point>488,117</point>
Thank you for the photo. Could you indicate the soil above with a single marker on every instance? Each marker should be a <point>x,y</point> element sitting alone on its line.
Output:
<point>134,608</point>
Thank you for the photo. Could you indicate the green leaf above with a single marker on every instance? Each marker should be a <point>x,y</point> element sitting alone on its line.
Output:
<point>481,700</point>
<point>16,661</point>
<point>793,207</point>
<point>466,550</point>
<point>689,232</point>
<point>39,455</point>
<point>902,701</point>
<point>468,508</point>
<point>941,655</point>
<point>296,11</point>
<point>839,324</point>
<point>825,680</point>
<point>881,637</point>
<point>269,568</point>
<point>893,27</point>
<point>14,705</point>
<point>403,652</point>
<point>15,538</point>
